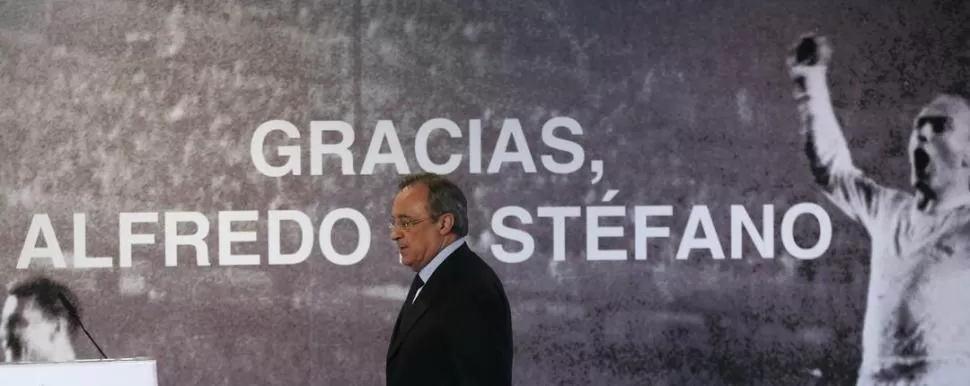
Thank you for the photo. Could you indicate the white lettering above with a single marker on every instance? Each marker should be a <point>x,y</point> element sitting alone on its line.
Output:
<point>595,231</point>
<point>227,236</point>
<point>41,227</point>
<point>421,146</point>
<point>341,149</point>
<point>384,133</point>
<point>788,232</point>
<point>290,152</point>
<point>643,232</point>
<point>475,146</point>
<point>558,215</point>
<point>741,222</point>
<point>363,238</point>
<point>511,133</point>
<point>276,255</point>
<point>573,148</point>
<point>512,146</point>
<point>196,240</point>
<point>127,239</point>
<point>700,216</point>
<point>81,259</point>
<point>501,230</point>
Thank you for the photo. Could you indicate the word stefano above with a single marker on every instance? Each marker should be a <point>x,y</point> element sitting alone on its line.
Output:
<point>699,233</point>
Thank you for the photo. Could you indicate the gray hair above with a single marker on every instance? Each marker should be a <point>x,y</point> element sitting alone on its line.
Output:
<point>444,197</point>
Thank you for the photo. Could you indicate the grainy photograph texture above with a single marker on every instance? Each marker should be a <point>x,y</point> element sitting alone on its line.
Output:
<point>114,106</point>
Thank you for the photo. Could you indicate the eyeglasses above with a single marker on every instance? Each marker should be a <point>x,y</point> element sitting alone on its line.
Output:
<point>405,225</point>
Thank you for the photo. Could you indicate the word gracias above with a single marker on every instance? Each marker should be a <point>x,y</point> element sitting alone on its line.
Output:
<point>510,137</point>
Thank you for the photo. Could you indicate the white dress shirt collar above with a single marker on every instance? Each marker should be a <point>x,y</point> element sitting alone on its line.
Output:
<point>429,269</point>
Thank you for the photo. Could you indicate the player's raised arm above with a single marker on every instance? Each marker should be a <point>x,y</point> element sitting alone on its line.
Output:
<point>826,147</point>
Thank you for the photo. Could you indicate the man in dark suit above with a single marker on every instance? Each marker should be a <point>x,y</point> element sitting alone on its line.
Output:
<point>455,327</point>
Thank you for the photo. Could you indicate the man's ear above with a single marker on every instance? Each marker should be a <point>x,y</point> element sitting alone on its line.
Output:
<point>447,222</point>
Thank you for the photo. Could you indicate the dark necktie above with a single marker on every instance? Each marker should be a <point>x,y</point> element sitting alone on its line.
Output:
<point>416,284</point>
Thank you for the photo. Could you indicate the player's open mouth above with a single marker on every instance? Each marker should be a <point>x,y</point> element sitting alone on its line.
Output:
<point>921,163</point>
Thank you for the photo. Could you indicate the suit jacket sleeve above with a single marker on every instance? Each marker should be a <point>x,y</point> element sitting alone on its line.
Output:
<point>478,333</point>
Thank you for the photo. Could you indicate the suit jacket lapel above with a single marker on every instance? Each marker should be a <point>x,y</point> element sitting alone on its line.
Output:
<point>410,317</point>
<point>397,323</point>
<point>404,306</point>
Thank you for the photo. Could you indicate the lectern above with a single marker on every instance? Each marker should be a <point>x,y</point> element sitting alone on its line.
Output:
<point>107,372</point>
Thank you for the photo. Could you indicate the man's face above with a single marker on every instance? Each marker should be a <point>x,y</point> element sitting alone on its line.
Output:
<point>938,145</point>
<point>27,333</point>
<point>419,237</point>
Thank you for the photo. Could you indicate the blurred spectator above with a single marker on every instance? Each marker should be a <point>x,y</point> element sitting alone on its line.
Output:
<point>36,326</point>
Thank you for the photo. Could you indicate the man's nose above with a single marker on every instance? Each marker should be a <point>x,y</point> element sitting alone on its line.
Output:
<point>396,234</point>
<point>924,133</point>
